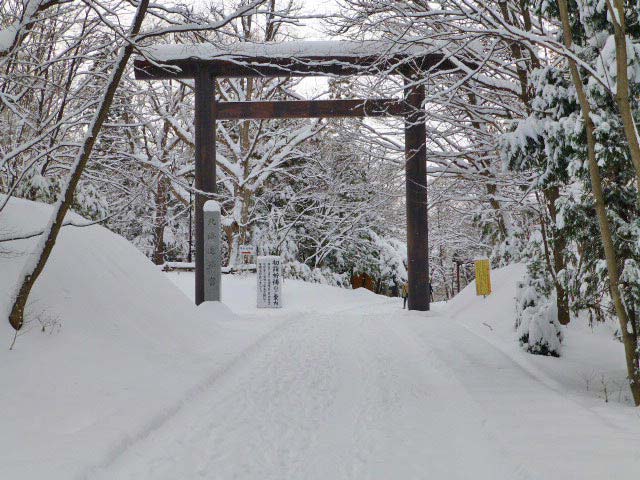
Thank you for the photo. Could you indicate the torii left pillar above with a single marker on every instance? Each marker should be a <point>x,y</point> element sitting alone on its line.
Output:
<point>205,165</point>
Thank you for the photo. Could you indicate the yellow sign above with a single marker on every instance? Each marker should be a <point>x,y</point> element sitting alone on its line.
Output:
<point>483,277</point>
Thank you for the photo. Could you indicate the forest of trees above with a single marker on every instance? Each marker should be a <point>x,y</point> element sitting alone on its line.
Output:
<point>533,149</point>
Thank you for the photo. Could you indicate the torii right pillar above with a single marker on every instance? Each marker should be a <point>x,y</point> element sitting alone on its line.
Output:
<point>415,137</point>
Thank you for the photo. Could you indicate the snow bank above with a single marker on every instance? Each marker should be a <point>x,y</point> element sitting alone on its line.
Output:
<point>591,365</point>
<point>298,297</point>
<point>122,349</point>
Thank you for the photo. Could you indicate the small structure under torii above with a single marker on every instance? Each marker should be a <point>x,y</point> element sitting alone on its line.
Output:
<point>204,63</point>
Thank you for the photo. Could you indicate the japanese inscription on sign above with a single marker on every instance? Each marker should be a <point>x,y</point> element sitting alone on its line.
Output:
<point>247,250</point>
<point>269,273</point>
<point>212,258</point>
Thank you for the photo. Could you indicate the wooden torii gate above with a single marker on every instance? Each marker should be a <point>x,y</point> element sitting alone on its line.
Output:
<point>205,63</point>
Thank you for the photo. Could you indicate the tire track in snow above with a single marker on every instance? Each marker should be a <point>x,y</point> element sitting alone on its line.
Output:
<point>472,410</point>
<point>454,411</point>
<point>160,419</point>
<point>166,416</point>
<point>545,428</point>
<point>338,395</point>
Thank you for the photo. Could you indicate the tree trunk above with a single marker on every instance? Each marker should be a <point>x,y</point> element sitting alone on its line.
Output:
<point>42,251</point>
<point>160,221</point>
<point>492,189</point>
<point>558,247</point>
<point>618,19</point>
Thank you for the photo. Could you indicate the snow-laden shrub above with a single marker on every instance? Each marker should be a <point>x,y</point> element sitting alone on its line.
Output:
<point>537,321</point>
<point>381,257</point>
<point>301,271</point>
<point>88,201</point>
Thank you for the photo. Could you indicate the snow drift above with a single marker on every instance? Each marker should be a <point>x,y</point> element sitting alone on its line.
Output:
<point>592,360</point>
<point>109,347</point>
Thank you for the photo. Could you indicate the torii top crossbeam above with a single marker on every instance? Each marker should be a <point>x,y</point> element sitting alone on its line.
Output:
<point>303,58</point>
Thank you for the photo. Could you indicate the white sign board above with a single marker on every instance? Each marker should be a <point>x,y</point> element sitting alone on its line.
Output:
<point>269,273</point>
<point>247,250</point>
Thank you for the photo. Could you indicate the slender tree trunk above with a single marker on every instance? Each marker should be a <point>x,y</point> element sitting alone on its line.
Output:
<point>233,241</point>
<point>558,246</point>
<point>558,243</point>
<point>618,19</point>
<point>160,220</point>
<point>38,258</point>
<point>228,233</point>
<point>492,190</point>
<point>502,217</point>
<point>629,341</point>
<point>245,194</point>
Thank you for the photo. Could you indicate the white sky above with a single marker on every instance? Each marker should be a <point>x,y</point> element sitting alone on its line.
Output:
<point>313,27</point>
<point>313,30</point>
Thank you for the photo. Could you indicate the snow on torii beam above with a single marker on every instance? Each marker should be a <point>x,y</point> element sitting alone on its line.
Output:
<point>288,59</point>
<point>204,63</point>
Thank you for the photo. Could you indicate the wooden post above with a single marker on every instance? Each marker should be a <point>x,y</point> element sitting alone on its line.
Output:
<point>189,257</point>
<point>205,163</point>
<point>338,108</point>
<point>415,134</point>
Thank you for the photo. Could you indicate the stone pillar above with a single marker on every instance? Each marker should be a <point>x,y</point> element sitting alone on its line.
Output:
<point>212,251</point>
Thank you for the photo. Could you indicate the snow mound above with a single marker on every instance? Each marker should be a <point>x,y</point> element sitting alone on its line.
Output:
<point>95,280</point>
<point>120,344</point>
<point>298,296</point>
<point>500,305</point>
<point>592,362</point>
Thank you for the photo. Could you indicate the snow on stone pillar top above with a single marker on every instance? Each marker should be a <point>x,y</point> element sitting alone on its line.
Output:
<point>211,206</point>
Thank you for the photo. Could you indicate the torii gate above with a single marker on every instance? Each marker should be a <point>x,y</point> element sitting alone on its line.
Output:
<point>204,63</point>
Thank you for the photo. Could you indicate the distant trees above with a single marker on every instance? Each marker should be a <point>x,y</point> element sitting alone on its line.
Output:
<point>580,136</point>
<point>332,211</point>
<point>554,98</point>
<point>137,176</point>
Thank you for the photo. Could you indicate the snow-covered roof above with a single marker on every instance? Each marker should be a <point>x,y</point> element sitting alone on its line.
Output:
<point>292,49</point>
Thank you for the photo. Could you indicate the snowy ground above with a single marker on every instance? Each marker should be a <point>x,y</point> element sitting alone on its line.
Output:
<point>138,384</point>
<point>123,350</point>
<point>362,389</point>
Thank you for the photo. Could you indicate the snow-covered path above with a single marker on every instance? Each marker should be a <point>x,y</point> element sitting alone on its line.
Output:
<point>373,392</point>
